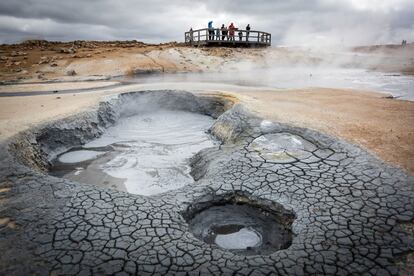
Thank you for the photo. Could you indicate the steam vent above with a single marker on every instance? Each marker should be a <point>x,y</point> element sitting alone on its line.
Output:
<point>174,183</point>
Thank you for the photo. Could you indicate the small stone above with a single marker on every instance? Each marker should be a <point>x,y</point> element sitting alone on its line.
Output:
<point>71,73</point>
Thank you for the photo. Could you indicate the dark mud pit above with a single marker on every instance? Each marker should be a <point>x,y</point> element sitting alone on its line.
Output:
<point>240,225</point>
<point>267,199</point>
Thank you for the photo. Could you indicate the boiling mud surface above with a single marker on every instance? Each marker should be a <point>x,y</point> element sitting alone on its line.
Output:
<point>144,154</point>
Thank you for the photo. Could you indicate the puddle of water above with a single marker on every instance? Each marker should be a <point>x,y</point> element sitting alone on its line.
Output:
<point>236,237</point>
<point>79,156</point>
<point>144,154</point>
<point>242,229</point>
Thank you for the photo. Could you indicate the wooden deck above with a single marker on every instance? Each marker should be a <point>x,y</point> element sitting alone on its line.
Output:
<point>203,37</point>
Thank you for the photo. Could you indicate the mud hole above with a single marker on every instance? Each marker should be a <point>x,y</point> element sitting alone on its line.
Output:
<point>244,226</point>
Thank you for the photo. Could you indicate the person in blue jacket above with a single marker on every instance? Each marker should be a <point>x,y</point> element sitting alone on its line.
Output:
<point>210,31</point>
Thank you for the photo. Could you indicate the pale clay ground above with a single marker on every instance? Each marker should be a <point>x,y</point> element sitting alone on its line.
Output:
<point>15,88</point>
<point>382,126</point>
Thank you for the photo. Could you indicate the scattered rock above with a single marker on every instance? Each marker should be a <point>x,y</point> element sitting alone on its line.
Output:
<point>18,53</point>
<point>44,60</point>
<point>391,97</point>
<point>68,51</point>
<point>71,73</point>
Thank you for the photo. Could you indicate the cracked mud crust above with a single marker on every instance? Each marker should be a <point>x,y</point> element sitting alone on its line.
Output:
<point>350,207</point>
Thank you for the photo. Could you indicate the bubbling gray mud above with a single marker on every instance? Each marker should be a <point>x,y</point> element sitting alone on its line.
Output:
<point>282,147</point>
<point>142,154</point>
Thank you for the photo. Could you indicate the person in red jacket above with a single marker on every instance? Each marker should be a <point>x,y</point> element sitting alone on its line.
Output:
<point>231,31</point>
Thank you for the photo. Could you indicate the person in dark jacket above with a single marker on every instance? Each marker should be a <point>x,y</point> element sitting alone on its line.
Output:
<point>191,35</point>
<point>240,35</point>
<point>247,32</point>
<point>223,32</point>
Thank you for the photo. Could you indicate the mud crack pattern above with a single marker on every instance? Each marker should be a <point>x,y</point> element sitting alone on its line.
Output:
<point>348,207</point>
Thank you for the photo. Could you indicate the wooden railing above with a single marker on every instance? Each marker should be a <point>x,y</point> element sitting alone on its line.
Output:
<point>217,36</point>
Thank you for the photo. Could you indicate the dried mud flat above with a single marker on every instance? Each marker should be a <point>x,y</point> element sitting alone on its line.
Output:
<point>351,210</point>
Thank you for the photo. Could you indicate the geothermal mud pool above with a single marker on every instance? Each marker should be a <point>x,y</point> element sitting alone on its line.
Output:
<point>236,224</point>
<point>142,154</point>
<point>268,198</point>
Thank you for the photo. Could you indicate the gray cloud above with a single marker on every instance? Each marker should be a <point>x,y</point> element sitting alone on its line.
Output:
<point>296,22</point>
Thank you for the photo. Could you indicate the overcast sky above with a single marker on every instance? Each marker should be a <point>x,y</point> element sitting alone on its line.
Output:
<point>291,22</point>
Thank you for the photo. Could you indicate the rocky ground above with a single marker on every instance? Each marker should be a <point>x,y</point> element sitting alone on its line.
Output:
<point>40,61</point>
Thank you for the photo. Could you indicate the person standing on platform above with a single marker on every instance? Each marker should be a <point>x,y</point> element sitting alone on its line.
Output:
<point>191,35</point>
<point>247,32</point>
<point>217,34</point>
<point>240,35</point>
<point>223,32</point>
<point>231,31</point>
<point>210,31</point>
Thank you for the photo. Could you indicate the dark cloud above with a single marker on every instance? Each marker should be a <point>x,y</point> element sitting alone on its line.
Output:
<point>295,22</point>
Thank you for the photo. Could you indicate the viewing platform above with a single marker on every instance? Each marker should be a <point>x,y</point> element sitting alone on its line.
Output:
<point>209,37</point>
